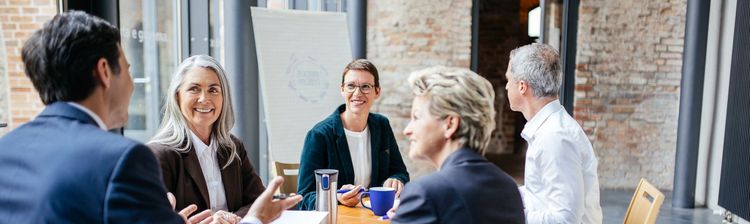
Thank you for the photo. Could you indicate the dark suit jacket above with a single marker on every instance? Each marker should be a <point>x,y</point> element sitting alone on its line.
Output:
<point>184,178</point>
<point>326,148</point>
<point>62,168</point>
<point>466,189</point>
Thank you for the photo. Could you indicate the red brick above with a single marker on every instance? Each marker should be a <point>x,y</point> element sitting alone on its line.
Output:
<point>20,19</point>
<point>583,88</point>
<point>9,26</point>
<point>8,10</point>
<point>19,2</point>
<point>30,10</point>
<point>30,26</point>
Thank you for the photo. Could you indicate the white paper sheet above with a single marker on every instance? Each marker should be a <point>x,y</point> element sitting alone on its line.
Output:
<point>300,57</point>
<point>301,217</point>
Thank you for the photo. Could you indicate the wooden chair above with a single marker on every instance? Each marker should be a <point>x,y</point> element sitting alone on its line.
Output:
<point>644,207</point>
<point>290,172</point>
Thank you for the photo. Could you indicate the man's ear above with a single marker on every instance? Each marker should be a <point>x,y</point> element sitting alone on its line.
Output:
<point>451,125</point>
<point>523,87</point>
<point>103,73</point>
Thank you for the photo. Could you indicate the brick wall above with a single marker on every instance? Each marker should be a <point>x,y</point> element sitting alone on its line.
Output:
<point>627,87</point>
<point>407,35</point>
<point>18,19</point>
<point>4,110</point>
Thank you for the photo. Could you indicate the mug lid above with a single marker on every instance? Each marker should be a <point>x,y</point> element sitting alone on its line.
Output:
<point>326,171</point>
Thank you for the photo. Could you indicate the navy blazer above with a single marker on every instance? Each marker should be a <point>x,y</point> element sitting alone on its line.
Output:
<point>466,189</point>
<point>62,168</point>
<point>326,148</point>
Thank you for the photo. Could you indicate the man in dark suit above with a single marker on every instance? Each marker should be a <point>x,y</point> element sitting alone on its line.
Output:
<point>63,166</point>
<point>452,119</point>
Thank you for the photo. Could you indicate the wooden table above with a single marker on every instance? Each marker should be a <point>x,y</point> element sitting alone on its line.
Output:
<point>349,215</point>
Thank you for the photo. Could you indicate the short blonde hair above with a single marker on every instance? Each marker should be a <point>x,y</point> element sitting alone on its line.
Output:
<point>463,93</point>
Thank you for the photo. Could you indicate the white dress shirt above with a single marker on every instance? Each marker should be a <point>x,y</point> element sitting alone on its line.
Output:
<point>211,172</point>
<point>561,182</point>
<point>359,149</point>
<point>96,118</point>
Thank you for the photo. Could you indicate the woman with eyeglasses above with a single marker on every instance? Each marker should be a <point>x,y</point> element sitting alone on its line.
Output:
<point>357,143</point>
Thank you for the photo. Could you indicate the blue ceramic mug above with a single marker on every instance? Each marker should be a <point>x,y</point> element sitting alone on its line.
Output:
<point>381,199</point>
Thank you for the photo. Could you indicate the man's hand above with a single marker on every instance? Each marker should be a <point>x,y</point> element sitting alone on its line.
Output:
<point>267,209</point>
<point>350,198</point>
<point>395,184</point>
<point>200,218</point>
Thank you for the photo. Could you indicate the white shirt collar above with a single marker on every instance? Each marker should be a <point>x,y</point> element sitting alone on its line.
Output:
<point>199,146</point>
<point>96,118</point>
<point>533,125</point>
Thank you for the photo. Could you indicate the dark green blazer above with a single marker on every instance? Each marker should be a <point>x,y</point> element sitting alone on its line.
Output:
<point>326,148</point>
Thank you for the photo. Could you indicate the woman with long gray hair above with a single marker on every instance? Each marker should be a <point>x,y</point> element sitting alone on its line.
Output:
<point>202,163</point>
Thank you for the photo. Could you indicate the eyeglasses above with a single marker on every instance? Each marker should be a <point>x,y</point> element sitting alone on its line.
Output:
<point>364,88</point>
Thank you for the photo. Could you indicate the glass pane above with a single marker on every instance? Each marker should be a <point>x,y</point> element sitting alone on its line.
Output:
<point>137,108</point>
<point>215,28</point>
<point>535,17</point>
<point>332,5</point>
<point>150,40</point>
<point>553,23</point>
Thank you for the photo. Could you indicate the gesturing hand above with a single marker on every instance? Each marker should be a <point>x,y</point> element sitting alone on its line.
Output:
<point>200,218</point>
<point>267,209</point>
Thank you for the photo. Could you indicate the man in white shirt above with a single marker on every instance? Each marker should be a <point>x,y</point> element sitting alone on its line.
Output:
<point>561,181</point>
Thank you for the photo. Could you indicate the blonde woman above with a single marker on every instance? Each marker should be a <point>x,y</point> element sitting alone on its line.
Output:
<point>452,117</point>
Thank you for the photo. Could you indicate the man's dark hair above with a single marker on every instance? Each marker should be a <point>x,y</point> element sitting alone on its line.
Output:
<point>61,57</point>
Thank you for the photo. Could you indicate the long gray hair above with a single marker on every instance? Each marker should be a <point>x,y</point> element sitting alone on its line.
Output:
<point>173,130</point>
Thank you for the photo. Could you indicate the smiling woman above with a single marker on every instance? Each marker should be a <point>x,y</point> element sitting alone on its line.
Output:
<point>199,96</point>
<point>354,141</point>
<point>202,163</point>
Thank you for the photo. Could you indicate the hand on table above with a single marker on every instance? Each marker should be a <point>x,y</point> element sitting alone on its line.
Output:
<point>396,184</point>
<point>350,198</point>
<point>201,218</point>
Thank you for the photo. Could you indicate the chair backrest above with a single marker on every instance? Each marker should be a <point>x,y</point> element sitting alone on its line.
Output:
<point>289,171</point>
<point>644,207</point>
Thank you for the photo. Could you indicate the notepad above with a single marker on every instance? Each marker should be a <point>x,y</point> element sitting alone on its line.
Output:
<point>301,217</point>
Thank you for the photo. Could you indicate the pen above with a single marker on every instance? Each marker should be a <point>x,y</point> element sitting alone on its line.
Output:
<point>341,191</point>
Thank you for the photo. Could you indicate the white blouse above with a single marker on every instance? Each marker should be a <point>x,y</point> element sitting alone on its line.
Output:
<point>211,172</point>
<point>359,148</point>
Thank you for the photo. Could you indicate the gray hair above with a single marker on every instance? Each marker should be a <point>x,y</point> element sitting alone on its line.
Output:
<point>539,66</point>
<point>462,93</point>
<point>173,130</point>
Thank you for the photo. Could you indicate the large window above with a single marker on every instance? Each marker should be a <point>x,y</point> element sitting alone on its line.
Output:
<point>150,39</point>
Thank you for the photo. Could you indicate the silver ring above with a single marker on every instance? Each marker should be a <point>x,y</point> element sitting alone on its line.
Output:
<point>226,215</point>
